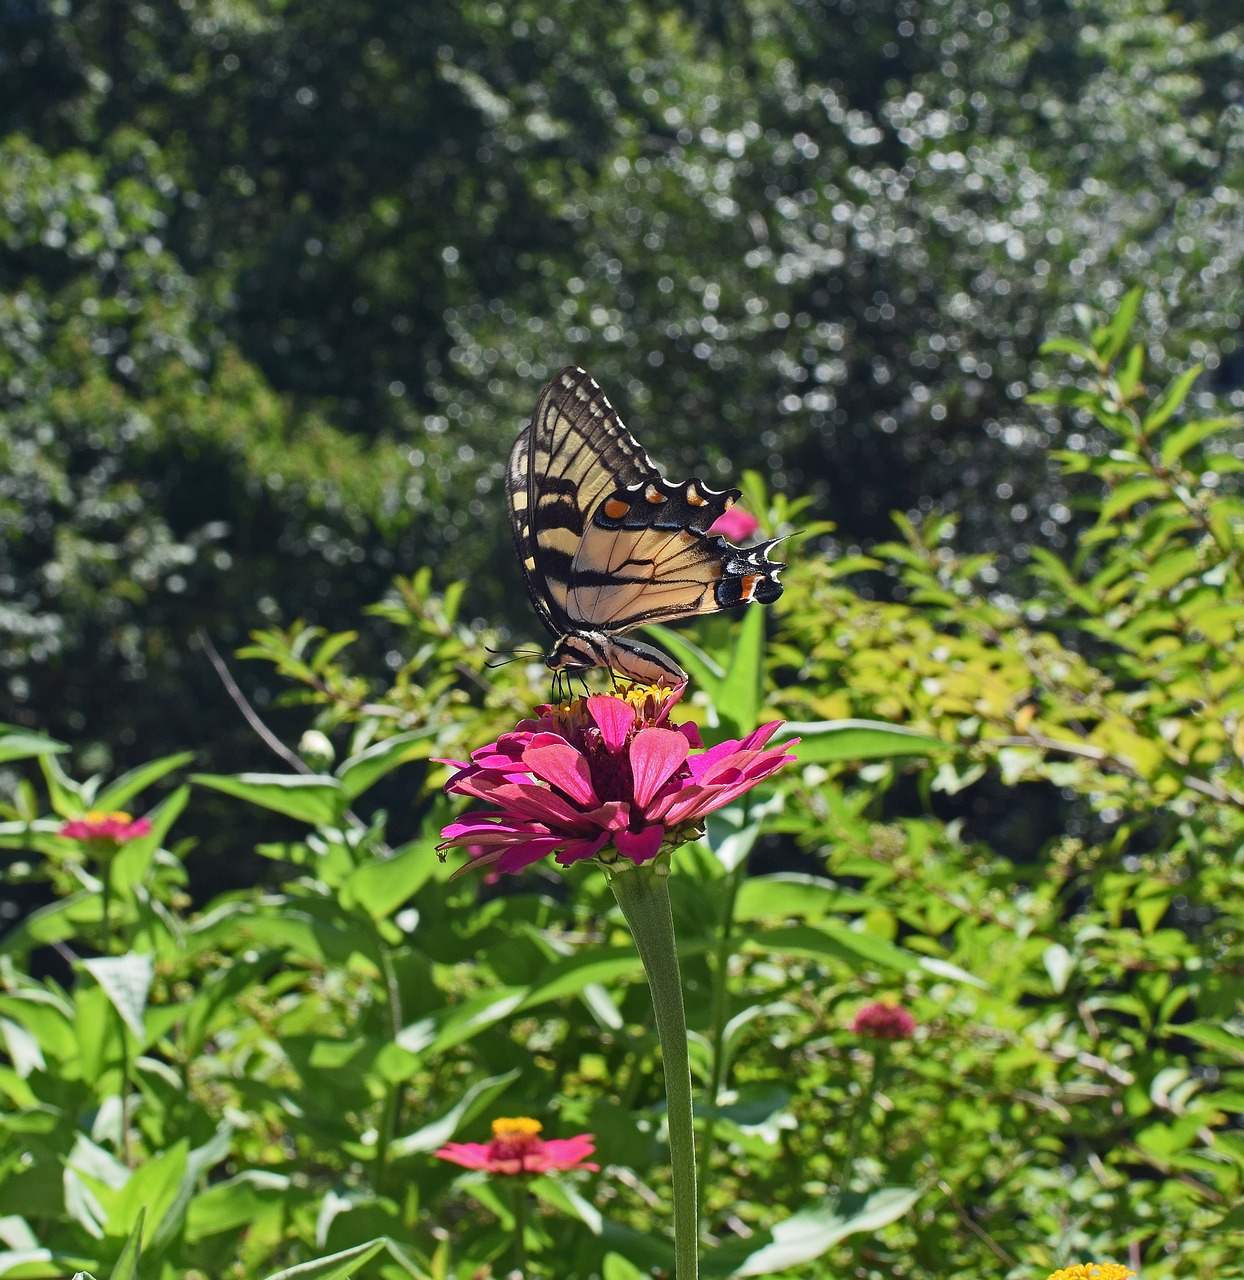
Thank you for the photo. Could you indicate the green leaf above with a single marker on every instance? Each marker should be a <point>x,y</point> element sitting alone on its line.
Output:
<point>136,780</point>
<point>347,1263</point>
<point>806,1235</point>
<point>829,740</point>
<point>1110,338</point>
<point>381,886</point>
<point>1070,347</point>
<point>616,1267</point>
<point>738,696</point>
<point>1125,496</point>
<point>365,769</point>
<point>1190,435</point>
<point>311,798</point>
<point>21,744</point>
<point>126,1265</point>
<point>126,981</point>
<point>702,670</point>
<point>478,1098</point>
<point>827,941</point>
<point>1171,399</point>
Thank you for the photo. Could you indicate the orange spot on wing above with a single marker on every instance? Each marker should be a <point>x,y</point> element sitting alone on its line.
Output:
<point>654,495</point>
<point>695,497</point>
<point>615,508</point>
<point>747,585</point>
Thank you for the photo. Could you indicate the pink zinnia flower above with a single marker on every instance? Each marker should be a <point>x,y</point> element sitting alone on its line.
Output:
<point>607,770</point>
<point>735,524</point>
<point>116,828</point>
<point>884,1022</point>
<point>517,1148</point>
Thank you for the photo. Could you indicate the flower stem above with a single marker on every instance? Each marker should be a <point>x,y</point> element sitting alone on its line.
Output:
<point>643,894</point>
<point>880,1058</point>
<point>520,1227</point>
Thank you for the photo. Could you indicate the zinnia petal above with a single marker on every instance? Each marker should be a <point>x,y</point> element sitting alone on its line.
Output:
<point>655,756</point>
<point>614,718</point>
<point>555,761</point>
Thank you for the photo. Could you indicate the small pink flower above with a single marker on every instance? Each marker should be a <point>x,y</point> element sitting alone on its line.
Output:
<point>516,1149</point>
<point>735,524</point>
<point>607,770</point>
<point>884,1022</point>
<point>116,828</point>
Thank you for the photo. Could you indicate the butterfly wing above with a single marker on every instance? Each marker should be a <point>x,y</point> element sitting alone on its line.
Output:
<point>606,543</point>
<point>574,452</point>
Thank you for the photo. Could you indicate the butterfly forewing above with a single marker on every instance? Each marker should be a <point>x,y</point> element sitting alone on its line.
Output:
<point>606,543</point>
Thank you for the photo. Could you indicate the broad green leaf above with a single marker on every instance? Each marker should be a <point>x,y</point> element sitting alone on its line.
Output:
<point>703,671</point>
<point>126,981</point>
<point>732,832</point>
<point>363,770</point>
<point>314,799</point>
<point>1214,1036</point>
<point>128,785</point>
<point>795,894</point>
<point>234,1202</point>
<point>833,942</point>
<point>69,799</point>
<point>21,744</point>
<point>570,975</point>
<point>381,886</point>
<point>616,1267</point>
<point>567,1202</point>
<point>806,1235</point>
<point>832,740</point>
<point>478,1098</point>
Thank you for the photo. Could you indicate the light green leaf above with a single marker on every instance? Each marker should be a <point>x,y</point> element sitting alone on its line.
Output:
<point>1171,399</point>
<point>381,886</point>
<point>23,1048</point>
<point>827,740</point>
<point>834,942</point>
<point>616,1267</point>
<point>363,770</point>
<point>347,1263</point>
<point>475,1100</point>
<point>1111,337</point>
<point>312,798</point>
<point>737,698</point>
<point>126,981</point>
<point>805,1236</point>
<point>1059,964</point>
<point>126,1265</point>
<point>21,744</point>
<point>128,785</point>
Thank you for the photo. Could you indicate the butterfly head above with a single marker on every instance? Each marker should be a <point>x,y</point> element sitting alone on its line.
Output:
<point>633,660</point>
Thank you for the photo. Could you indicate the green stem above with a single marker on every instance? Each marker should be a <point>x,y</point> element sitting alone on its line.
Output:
<point>520,1228</point>
<point>391,1112</point>
<point>643,894</point>
<point>721,972</point>
<point>880,1057</point>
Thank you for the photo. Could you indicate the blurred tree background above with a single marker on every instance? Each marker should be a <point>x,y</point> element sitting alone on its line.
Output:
<point>281,281</point>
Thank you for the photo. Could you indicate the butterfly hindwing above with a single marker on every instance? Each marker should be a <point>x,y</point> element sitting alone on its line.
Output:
<point>606,543</point>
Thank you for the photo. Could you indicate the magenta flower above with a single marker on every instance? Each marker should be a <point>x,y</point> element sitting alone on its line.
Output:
<point>884,1022</point>
<point>516,1148</point>
<point>116,828</point>
<point>735,524</point>
<point>604,771</point>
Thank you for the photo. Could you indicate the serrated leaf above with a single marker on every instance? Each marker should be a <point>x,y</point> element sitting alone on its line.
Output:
<point>312,798</point>
<point>126,981</point>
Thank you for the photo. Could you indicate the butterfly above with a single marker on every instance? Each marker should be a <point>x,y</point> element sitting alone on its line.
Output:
<point>607,544</point>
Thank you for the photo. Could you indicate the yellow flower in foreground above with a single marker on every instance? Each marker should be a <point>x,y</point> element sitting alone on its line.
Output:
<point>1094,1271</point>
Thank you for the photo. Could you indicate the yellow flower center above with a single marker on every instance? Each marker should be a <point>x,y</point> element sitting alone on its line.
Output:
<point>1094,1271</point>
<point>115,815</point>
<point>519,1127</point>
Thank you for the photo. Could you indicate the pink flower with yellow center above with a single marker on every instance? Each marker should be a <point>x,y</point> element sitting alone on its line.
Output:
<point>884,1022</point>
<point>116,827</point>
<point>517,1149</point>
<point>604,772</point>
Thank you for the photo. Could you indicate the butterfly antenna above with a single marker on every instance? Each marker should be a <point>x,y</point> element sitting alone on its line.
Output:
<point>510,655</point>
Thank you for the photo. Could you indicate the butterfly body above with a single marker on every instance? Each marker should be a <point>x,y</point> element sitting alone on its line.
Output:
<point>607,544</point>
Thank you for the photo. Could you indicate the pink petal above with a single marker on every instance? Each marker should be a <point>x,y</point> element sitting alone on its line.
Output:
<point>539,804</point>
<point>655,756</point>
<point>564,1153</point>
<point>471,1155</point>
<point>735,524</point>
<point>691,731</point>
<point>555,761</point>
<point>639,846</point>
<point>614,718</point>
<point>577,850</point>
